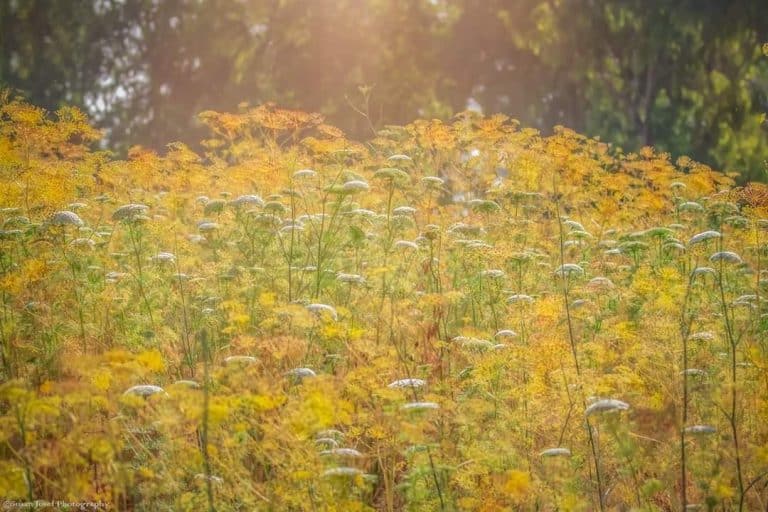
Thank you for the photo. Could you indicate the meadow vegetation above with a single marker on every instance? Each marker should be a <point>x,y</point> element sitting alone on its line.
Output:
<point>449,316</point>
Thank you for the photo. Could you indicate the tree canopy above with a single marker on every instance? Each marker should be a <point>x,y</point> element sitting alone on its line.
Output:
<point>688,77</point>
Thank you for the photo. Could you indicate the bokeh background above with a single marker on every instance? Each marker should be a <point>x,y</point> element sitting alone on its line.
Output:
<point>688,77</point>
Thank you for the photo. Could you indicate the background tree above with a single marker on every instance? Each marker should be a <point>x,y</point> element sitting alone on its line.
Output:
<point>687,77</point>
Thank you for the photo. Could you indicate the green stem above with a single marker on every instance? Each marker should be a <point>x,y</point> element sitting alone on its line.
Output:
<point>732,416</point>
<point>572,340</point>
<point>204,434</point>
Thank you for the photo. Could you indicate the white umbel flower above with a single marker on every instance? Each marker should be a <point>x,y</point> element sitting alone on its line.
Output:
<point>65,218</point>
<point>606,405</point>
<point>356,186</point>
<point>350,278</point>
<point>164,257</point>
<point>248,200</point>
<point>239,360</point>
<point>420,406</point>
<point>342,471</point>
<point>556,452</point>
<point>519,299</point>
<point>569,269</point>
<point>144,390</point>
<point>703,237</point>
<point>725,257</point>
<point>301,373</point>
<point>342,452</point>
<point>129,211</point>
<point>323,308</point>
<point>406,383</point>
<point>700,429</point>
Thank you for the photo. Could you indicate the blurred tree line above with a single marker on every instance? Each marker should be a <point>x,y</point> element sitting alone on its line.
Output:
<point>687,76</point>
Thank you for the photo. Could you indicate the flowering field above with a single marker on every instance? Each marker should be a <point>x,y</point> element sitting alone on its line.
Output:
<point>449,316</point>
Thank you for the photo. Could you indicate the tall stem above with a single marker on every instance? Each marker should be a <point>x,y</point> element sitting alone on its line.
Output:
<point>572,340</point>
<point>204,435</point>
<point>136,245</point>
<point>685,329</point>
<point>732,420</point>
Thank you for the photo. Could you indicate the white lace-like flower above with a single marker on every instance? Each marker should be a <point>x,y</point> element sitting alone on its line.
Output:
<point>187,383</point>
<point>114,276</point>
<point>323,308</point>
<point>404,210</point>
<point>575,226</point>
<point>600,284</point>
<point>342,471</point>
<point>433,181</point>
<point>420,406</point>
<point>519,299</point>
<point>407,244</point>
<point>331,432</point>
<point>342,452</point>
<point>674,245</point>
<point>690,206</point>
<point>144,390</point>
<point>350,278</point>
<point>85,243</point>
<point>606,405</point>
<point>247,200</point>
<point>65,218</point>
<point>129,211</point>
<point>703,271</point>
<point>327,441</point>
<point>301,373</point>
<point>407,383</point>
<point>474,343</point>
<point>556,452</point>
<point>304,173</point>
<point>700,429</point>
<point>163,257</point>
<point>703,237</point>
<point>725,257</point>
<point>207,227</point>
<point>568,269</point>
<point>240,360</point>
<point>356,186</point>
<point>702,336</point>
<point>213,478</point>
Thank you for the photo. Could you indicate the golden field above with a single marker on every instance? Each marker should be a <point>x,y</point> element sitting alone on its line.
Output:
<point>448,316</point>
